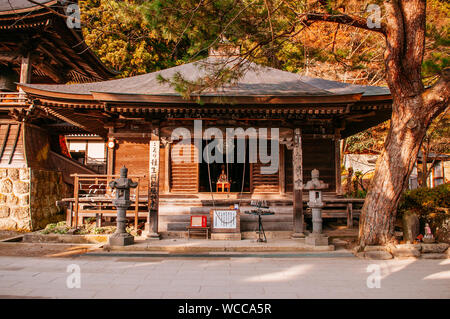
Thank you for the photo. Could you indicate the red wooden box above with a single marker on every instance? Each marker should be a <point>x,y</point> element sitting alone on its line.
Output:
<point>198,221</point>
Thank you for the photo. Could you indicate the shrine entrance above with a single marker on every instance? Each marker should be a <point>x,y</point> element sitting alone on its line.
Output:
<point>231,171</point>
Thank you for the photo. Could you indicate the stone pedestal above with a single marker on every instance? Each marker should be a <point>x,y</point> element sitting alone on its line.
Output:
<point>315,239</point>
<point>226,236</point>
<point>121,239</point>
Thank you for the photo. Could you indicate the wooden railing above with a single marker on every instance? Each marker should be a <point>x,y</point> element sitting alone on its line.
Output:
<point>348,208</point>
<point>12,99</point>
<point>93,198</point>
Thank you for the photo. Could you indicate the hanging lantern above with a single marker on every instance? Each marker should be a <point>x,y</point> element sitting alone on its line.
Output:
<point>111,143</point>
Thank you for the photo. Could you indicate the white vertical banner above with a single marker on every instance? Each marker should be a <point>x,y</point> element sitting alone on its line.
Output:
<point>154,175</point>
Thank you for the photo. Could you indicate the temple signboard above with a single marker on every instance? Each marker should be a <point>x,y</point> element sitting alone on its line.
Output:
<point>225,224</point>
<point>224,219</point>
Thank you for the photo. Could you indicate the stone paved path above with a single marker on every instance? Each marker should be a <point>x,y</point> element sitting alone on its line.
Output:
<point>249,278</point>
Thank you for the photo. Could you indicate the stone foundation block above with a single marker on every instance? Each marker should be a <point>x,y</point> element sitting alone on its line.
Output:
<point>405,251</point>
<point>316,240</point>
<point>121,240</point>
<point>434,248</point>
<point>226,236</point>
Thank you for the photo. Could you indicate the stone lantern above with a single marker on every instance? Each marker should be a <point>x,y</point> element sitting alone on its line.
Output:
<point>122,201</point>
<point>315,187</point>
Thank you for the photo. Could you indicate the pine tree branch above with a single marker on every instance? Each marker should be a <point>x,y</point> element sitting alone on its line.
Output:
<point>437,97</point>
<point>351,20</point>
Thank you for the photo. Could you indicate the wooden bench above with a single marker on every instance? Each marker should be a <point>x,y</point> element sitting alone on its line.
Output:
<point>203,230</point>
<point>348,208</point>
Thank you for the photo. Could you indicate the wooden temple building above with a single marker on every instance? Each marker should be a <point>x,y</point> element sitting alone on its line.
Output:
<point>37,46</point>
<point>140,117</point>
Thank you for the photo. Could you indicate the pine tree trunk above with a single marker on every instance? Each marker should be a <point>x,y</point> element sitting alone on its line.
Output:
<point>413,109</point>
<point>392,173</point>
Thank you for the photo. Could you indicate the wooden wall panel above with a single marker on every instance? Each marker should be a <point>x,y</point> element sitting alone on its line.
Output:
<point>288,169</point>
<point>184,170</point>
<point>319,154</point>
<point>263,183</point>
<point>7,139</point>
<point>37,147</point>
<point>162,170</point>
<point>134,154</point>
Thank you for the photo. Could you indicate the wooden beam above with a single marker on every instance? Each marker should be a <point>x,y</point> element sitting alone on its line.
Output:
<point>297,194</point>
<point>51,72</point>
<point>10,57</point>
<point>131,135</point>
<point>52,56</point>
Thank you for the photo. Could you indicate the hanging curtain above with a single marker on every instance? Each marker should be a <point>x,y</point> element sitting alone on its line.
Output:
<point>63,146</point>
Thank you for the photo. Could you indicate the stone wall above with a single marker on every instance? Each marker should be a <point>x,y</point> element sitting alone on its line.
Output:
<point>46,188</point>
<point>28,198</point>
<point>15,199</point>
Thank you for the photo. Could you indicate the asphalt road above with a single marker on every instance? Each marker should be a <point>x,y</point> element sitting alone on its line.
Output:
<point>249,278</point>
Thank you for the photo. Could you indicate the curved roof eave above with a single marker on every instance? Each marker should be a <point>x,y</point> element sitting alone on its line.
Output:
<point>53,94</point>
<point>166,98</point>
<point>241,99</point>
<point>23,11</point>
<point>16,7</point>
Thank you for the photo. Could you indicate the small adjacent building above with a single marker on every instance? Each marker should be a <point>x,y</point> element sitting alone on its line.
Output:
<point>37,46</point>
<point>89,150</point>
<point>438,163</point>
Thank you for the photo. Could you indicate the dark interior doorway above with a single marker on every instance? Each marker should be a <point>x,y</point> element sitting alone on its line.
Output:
<point>235,171</point>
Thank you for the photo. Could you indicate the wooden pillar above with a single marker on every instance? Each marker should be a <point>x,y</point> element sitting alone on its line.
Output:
<point>110,154</point>
<point>337,161</point>
<point>166,168</point>
<point>297,194</point>
<point>110,159</point>
<point>25,69</point>
<point>281,170</point>
<point>151,226</point>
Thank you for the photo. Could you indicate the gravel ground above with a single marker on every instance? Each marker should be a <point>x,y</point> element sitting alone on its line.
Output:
<point>42,250</point>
